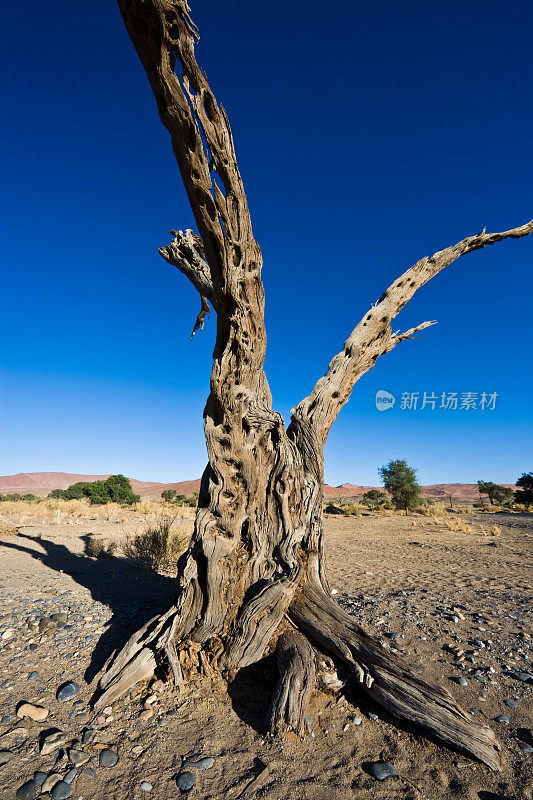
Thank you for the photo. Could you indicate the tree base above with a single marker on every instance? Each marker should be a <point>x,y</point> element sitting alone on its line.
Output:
<point>318,623</point>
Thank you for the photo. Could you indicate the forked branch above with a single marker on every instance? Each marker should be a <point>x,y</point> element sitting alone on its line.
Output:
<point>373,335</point>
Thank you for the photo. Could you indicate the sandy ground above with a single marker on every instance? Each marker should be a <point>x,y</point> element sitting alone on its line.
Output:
<point>396,575</point>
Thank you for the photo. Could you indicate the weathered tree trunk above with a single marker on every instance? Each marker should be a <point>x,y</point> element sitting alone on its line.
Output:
<point>253,576</point>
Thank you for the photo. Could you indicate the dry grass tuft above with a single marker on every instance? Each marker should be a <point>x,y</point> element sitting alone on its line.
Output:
<point>457,524</point>
<point>160,546</point>
<point>99,548</point>
<point>495,531</point>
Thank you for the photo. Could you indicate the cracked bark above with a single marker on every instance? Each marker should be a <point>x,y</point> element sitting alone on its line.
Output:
<point>255,565</point>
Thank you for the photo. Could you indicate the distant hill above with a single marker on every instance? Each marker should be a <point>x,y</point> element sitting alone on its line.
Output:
<point>41,483</point>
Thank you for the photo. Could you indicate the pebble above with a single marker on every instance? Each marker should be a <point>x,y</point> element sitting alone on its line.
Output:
<point>393,635</point>
<point>59,616</point>
<point>87,736</point>
<point>36,713</point>
<point>146,714</point>
<point>185,781</point>
<point>512,703</point>
<point>32,676</point>
<point>108,758</point>
<point>78,757</point>
<point>91,772</point>
<point>461,681</point>
<point>39,778</point>
<point>71,774</point>
<point>5,756</point>
<point>50,782</point>
<point>372,715</point>
<point>525,747</point>
<point>52,741</point>
<point>357,720</point>
<point>146,787</point>
<point>382,770</point>
<point>28,790</point>
<point>61,791</point>
<point>502,718</point>
<point>202,763</point>
<point>68,691</point>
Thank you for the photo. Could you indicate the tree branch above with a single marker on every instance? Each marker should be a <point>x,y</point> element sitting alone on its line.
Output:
<point>373,335</point>
<point>164,37</point>
<point>186,252</point>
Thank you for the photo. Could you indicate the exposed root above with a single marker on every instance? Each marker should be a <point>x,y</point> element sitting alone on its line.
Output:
<point>393,685</point>
<point>296,664</point>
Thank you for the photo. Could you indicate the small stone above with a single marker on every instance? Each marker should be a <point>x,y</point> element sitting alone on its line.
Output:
<point>78,757</point>
<point>201,763</point>
<point>108,710</point>
<point>461,681</point>
<point>393,635</point>
<point>59,616</point>
<point>502,718</point>
<point>525,747</point>
<point>39,778</point>
<point>108,758</point>
<point>28,790</point>
<point>68,691</point>
<point>357,720</point>
<point>185,781</point>
<point>91,772</point>
<point>137,750</point>
<point>5,756</point>
<point>52,741</point>
<point>50,782</point>
<point>32,676</point>
<point>146,787</point>
<point>36,713</point>
<point>382,770</point>
<point>158,686</point>
<point>7,634</point>
<point>373,715</point>
<point>512,703</point>
<point>87,736</point>
<point>146,714</point>
<point>71,774</point>
<point>61,791</point>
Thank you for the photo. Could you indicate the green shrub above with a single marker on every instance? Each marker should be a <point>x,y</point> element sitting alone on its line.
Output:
<point>115,489</point>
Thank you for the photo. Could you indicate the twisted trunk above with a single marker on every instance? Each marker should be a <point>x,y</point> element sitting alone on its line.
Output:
<point>253,575</point>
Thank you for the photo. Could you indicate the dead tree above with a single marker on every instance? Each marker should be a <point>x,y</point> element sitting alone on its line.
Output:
<point>253,578</point>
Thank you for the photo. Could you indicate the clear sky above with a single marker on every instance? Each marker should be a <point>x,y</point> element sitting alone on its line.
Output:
<point>368,135</point>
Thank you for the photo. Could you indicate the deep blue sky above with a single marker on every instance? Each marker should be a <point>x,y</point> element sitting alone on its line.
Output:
<point>368,136</point>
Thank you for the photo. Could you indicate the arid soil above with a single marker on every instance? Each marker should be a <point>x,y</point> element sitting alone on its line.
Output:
<point>438,589</point>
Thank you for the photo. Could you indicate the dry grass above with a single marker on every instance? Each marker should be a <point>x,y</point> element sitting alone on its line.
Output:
<point>495,531</point>
<point>457,524</point>
<point>160,546</point>
<point>435,510</point>
<point>66,511</point>
<point>7,529</point>
<point>100,548</point>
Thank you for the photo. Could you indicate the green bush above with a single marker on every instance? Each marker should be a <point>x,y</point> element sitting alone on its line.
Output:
<point>115,489</point>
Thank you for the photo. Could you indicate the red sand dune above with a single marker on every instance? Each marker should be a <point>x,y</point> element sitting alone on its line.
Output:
<point>41,483</point>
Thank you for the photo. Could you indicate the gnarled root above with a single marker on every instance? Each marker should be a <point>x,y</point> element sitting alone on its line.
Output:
<point>388,680</point>
<point>296,664</point>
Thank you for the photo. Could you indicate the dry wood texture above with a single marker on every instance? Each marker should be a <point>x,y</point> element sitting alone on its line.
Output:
<point>255,558</point>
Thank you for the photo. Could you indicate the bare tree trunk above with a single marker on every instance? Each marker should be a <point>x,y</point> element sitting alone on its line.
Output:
<point>253,578</point>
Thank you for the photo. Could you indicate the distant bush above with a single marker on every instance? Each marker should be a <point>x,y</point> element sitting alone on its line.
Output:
<point>524,496</point>
<point>497,494</point>
<point>159,547</point>
<point>374,499</point>
<point>169,495</point>
<point>331,508</point>
<point>115,489</point>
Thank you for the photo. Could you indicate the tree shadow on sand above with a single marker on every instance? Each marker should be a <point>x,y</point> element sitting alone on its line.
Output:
<point>133,594</point>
